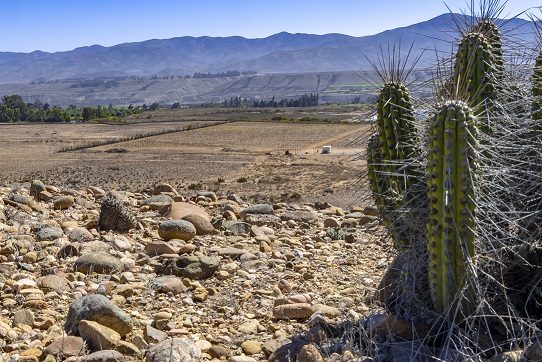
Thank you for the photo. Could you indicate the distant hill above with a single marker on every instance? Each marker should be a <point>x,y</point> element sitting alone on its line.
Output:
<point>281,53</point>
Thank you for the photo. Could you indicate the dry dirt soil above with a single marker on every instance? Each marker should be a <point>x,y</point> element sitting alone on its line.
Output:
<point>247,157</point>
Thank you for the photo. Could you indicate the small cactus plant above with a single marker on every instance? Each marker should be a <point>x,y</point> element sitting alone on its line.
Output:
<point>115,216</point>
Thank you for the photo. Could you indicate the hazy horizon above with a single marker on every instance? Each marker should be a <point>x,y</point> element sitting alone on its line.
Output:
<point>62,25</point>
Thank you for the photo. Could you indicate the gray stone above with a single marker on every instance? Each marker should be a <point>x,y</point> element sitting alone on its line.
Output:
<point>49,233</point>
<point>156,202</point>
<point>176,229</point>
<point>229,252</point>
<point>99,262</point>
<point>242,359</point>
<point>99,309</point>
<point>237,227</point>
<point>262,219</point>
<point>259,209</point>
<point>173,350</point>
<point>36,188</point>
<point>23,317</point>
<point>21,199</point>
<point>105,356</point>
<point>153,335</point>
<point>302,216</point>
<point>80,235</point>
<point>354,215</point>
<point>191,266</point>
<point>209,194</point>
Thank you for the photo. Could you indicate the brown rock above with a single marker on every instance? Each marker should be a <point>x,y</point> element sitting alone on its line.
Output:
<point>63,202</point>
<point>309,353</point>
<point>31,352</point>
<point>168,284</point>
<point>219,352</point>
<point>371,211</point>
<point>251,347</point>
<point>331,222</point>
<point>178,210</point>
<point>293,311</point>
<point>66,346</point>
<point>328,311</point>
<point>186,249</point>
<point>164,188</point>
<point>349,223</point>
<point>159,247</point>
<point>98,337</point>
<point>203,226</point>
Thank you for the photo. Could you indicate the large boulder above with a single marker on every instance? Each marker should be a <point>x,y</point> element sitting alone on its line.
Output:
<point>176,229</point>
<point>178,210</point>
<point>99,309</point>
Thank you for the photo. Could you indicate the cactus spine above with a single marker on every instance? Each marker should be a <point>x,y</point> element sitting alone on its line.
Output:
<point>537,89</point>
<point>450,230</point>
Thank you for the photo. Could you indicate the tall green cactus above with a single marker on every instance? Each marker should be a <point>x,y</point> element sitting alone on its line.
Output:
<point>450,230</point>
<point>474,76</point>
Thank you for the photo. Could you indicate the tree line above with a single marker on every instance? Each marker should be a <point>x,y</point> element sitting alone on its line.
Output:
<point>14,109</point>
<point>306,100</point>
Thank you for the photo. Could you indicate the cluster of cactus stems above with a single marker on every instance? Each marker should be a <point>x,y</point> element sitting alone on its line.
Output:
<point>452,151</point>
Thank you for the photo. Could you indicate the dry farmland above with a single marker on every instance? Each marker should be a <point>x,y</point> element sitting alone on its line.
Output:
<point>246,156</point>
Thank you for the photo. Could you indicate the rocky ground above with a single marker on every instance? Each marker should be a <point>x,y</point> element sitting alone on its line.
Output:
<point>92,275</point>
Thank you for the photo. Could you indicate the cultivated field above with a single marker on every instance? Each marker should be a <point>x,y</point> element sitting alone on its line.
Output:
<point>247,157</point>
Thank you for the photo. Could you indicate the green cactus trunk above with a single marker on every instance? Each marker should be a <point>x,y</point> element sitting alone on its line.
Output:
<point>474,76</point>
<point>389,173</point>
<point>451,225</point>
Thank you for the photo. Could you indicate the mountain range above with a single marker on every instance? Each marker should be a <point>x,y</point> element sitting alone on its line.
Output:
<point>282,53</point>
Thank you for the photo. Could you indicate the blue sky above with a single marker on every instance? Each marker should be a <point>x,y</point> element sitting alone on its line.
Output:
<point>59,25</point>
